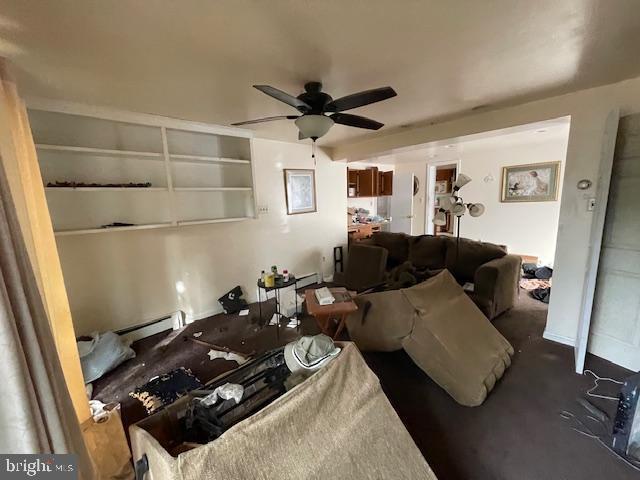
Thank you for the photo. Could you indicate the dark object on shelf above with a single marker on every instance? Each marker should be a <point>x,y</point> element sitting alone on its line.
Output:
<point>626,426</point>
<point>165,389</point>
<point>118,224</point>
<point>97,185</point>
<point>263,381</point>
<point>232,301</point>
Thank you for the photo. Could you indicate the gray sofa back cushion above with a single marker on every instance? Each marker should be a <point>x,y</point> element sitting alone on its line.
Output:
<point>397,244</point>
<point>427,251</point>
<point>473,254</point>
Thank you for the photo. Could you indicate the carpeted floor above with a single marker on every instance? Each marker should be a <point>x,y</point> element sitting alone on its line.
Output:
<point>516,434</point>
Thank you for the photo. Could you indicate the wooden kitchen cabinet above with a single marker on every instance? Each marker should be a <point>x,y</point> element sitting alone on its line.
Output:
<point>369,182</point>
<point>385,183</point>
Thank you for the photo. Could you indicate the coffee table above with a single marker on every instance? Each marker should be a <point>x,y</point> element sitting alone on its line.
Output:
<point>324,314</point>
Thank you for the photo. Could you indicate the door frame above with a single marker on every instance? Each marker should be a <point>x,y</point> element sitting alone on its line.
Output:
<point>430,193</point>
<point>595,238</point>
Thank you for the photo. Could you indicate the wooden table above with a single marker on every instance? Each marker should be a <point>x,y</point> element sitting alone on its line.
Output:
<point>324,314</point>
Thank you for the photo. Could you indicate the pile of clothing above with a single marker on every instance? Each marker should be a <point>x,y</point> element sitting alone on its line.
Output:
<point>537,280</point>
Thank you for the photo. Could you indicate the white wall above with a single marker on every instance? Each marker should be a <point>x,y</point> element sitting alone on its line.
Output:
<point>588,110</point>
<point>118,279</point>
<point>527,228</point>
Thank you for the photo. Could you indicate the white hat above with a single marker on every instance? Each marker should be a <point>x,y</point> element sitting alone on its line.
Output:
<point>310,353</point>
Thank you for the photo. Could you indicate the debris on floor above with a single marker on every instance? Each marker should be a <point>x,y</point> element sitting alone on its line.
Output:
<point>233,356</point>
<point>197,334</point>
<point>104,352</point>
<point>232,301</point>
<point>166,389</point>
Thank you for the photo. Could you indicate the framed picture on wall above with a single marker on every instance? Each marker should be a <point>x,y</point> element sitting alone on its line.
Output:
<point>300,190</point>
<point>535,182</point>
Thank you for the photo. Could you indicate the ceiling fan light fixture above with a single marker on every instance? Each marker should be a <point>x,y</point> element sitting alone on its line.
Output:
<point>313,126</point>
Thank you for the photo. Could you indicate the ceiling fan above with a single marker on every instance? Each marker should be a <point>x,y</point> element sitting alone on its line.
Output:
<point>319,111</point>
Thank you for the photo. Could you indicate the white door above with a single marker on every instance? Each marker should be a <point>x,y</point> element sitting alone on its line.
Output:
<point>615,323</point>
<point>402,203</point>
<point>595,240</point>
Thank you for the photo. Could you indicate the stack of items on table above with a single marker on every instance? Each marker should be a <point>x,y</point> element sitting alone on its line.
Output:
<point>278,416</point>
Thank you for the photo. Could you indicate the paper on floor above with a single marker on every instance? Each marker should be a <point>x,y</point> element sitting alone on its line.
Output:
<point>244,313</point>
<point>213,354</point>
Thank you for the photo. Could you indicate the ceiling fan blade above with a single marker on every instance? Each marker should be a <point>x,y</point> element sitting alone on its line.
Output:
<point>360,99</point>
<point>283,97</point>
<point>355,121</point>
<point>266,119</point>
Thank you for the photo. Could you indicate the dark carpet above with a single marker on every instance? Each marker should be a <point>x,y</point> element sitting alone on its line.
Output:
<point>516,434</point>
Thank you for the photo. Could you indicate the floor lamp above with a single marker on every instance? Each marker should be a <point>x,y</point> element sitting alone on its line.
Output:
<point>455,205</point>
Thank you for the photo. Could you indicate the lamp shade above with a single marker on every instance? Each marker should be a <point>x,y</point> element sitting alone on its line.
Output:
<point>476,209</point>
<point>461,181</point>
<point>440,218</point>
<point>458,209</point>
<point>313,126</point>
<point>447,202</point>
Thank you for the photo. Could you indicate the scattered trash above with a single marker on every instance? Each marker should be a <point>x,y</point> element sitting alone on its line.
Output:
<point>101,411</point>
<point>225,392</point>
<point>104,352</point>
<point>233,356</point>
<point>165,389</point>
<point>293,323</point>
<point>244,313</point>
<point>232,301</point>
<point>197,334</point>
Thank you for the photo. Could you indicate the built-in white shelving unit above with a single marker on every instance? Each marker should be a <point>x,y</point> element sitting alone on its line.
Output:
<point>197,173</point>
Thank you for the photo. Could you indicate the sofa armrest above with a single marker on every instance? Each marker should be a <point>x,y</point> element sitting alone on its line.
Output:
<point>498,282</point>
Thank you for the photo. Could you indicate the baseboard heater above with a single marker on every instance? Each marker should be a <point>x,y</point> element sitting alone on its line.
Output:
<point>143,330</point>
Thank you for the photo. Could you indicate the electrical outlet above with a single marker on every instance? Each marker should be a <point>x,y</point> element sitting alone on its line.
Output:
<point>591,205</point>
<point>263,209</point>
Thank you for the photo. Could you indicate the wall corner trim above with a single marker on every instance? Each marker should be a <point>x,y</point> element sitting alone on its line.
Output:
<point>554,337</point>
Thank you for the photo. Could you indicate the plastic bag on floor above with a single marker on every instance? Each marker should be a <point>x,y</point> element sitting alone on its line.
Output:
<point>288,303</point>
<point>104,352</point>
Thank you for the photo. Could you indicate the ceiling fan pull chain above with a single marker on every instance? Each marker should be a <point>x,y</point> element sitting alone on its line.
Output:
<point>313,151</point>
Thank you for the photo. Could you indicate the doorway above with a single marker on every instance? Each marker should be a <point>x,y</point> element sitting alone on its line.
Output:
<point>441,177</point>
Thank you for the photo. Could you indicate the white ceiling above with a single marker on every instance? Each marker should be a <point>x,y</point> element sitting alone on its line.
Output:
<point>197,59</point>
<point>453,148</point>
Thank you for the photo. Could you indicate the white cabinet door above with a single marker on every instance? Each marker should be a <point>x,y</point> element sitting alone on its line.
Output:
<point>402,203</point>
<point>615,324</point>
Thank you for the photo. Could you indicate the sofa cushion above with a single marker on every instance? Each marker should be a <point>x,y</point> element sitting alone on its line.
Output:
<point>381,322</point>
<point>453,342</point>
<point>472,255</point>
<point>397,244</point>
<point>427,251</point>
